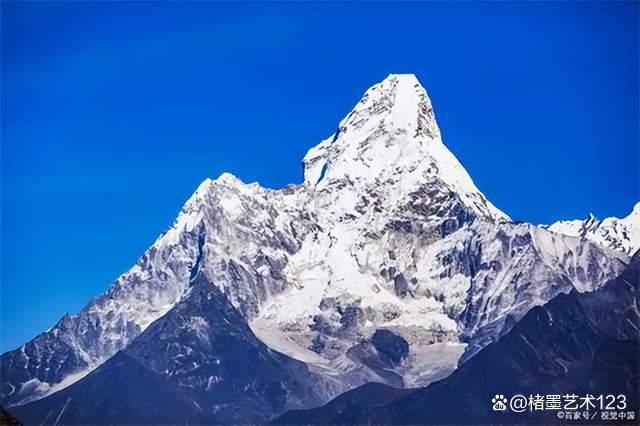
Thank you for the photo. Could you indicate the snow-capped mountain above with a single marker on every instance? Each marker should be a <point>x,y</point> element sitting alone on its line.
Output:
<point>387,233</point>
<point>617,234</point>
<point>578,343</point>
<point>200,363</point>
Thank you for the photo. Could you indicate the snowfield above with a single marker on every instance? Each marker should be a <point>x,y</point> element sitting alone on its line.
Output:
<point>387,232</point>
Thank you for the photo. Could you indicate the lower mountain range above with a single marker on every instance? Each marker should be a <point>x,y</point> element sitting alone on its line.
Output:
<point>576,344</point>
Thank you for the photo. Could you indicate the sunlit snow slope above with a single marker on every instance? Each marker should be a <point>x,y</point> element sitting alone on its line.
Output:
<point>617,234</point>
<point>387,232</point>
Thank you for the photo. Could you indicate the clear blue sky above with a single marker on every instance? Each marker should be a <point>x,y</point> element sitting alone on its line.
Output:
<point>113,113</point>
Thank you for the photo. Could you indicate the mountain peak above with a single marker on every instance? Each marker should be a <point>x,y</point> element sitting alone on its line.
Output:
<point>391,136</point>
<point>400,102</point>
<point>406,76</point>
<point>229,179</point>
<point>618,234</point>
<point>400,82</point>
<point>388,236</point>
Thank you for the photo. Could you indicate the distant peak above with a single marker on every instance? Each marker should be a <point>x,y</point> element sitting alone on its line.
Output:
<point>229,179</point>
<point>208,185</point>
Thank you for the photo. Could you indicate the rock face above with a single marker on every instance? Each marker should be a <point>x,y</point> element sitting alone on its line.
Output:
<point>393,347</point>
<point>578,343</point>
<point>617,234</point>
<point>387,233</point>
<point>348,409</point>
<point>198,363</point>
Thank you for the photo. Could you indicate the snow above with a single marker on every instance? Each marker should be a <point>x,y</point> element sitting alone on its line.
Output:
<point>430,363</point>
<point>370,214</point>
<point>284,343</point>
<point>43,389</point>
<point>391,130</point>
<point>622,235</point>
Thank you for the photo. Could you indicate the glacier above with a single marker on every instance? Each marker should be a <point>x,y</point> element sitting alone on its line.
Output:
<point>387,232</point>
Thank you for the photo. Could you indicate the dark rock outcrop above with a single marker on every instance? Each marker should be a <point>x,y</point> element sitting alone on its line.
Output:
<point>200,363</point>
<point>578,343</point>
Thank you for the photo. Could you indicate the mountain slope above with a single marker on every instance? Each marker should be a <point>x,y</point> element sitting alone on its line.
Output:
<point>617,234</point>
<point>199,363</point>
<point>578,343</point>
<point>387,232</point>
<point>349,408</point>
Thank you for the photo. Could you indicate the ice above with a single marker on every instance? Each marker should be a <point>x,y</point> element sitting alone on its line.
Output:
<point>387,231</point>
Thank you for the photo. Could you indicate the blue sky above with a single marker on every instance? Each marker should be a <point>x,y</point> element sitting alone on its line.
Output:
<point>113,113</point>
